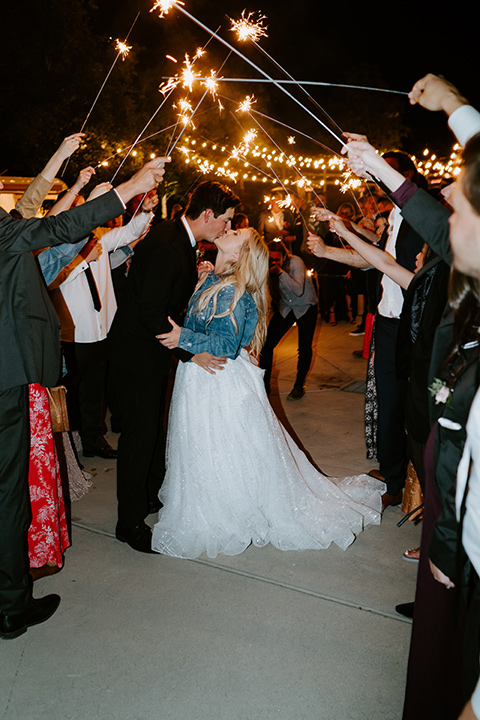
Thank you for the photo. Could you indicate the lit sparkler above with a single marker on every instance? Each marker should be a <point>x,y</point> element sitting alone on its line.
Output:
<point>211,84</point>
<point>250,62</point>
<point>246,105</point>
<point>188,74</point>
<point>123,48</point>
<point>247,28</point>
<point>164,6</point>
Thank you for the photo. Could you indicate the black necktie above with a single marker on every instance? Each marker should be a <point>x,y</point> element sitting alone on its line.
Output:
<point>93,289</point>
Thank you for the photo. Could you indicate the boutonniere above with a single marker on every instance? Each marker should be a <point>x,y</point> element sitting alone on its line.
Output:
<point>441,392</point>
<point>200,252</point>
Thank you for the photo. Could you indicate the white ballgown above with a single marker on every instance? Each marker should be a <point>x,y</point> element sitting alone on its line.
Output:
<point>235,477</point>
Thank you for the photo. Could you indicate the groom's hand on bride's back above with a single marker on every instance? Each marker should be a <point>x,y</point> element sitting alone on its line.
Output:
<point>208,362</point>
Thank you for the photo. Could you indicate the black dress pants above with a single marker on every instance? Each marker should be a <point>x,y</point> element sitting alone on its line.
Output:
<point>391,395</point>
<point>277,328</point>
<point>15,511</point>
<point>140,399</point>
<point>85,381</point>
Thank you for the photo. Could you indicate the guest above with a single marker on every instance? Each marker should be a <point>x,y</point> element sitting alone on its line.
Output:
<point>455,366</point>
<point>294,302</point>
<point>276,221</point>
<point>404,244</point>
<point>30,352</point>
<point>84,299</point>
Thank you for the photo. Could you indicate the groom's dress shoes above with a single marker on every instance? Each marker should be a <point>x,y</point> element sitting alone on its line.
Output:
<point>139,538</point>
<point>12,626</point>
<point>100,448</point>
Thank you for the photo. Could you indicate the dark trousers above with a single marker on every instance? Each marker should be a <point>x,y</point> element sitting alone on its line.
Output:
<point>277,328</point>
<point>391,394</point>
<point>15,512</point>
<point>140,399</point>
<point>85,381</point>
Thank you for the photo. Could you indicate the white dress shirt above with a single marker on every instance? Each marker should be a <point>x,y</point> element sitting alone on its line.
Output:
<point>79,320</point>
<point>391,303</point>
<point>464,123</point>
<point>469,470</point>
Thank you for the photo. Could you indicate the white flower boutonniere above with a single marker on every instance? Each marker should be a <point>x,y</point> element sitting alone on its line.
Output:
<point>441,392</point>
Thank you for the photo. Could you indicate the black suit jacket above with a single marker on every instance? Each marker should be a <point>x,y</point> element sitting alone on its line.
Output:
<point>29,328</point>
<point>160,282</point>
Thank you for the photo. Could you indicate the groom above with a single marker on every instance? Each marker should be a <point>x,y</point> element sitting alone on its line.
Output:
<point>160,282</point>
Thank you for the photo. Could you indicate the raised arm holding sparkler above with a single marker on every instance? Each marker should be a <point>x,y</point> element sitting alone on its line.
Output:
<point>32,199</point>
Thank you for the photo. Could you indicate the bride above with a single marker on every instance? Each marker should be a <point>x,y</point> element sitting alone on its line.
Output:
<point>234,475</point>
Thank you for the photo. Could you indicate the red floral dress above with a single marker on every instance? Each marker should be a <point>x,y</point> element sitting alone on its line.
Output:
<point>48,533</point>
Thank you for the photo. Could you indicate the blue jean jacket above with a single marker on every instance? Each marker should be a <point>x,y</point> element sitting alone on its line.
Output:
<point>220,337</point>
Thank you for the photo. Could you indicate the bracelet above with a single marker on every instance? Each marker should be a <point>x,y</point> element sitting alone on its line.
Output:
<point>71,191</point>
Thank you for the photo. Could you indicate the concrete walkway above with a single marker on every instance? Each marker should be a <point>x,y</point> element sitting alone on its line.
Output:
<point>290,635</point>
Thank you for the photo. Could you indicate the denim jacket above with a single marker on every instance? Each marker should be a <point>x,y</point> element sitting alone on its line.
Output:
<point>220,337</point>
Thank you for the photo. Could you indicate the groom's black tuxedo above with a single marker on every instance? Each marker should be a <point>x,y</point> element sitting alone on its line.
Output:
<point>160,282</point>
<point>29,352</point>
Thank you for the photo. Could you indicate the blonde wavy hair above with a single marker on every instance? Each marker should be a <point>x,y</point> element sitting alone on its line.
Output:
<point>249,274</point>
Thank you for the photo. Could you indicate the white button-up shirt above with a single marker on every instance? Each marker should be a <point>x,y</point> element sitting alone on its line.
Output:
<point>79,320</point>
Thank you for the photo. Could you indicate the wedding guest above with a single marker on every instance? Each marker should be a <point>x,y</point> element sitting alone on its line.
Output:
<point>84,299</point>
<point>30,352</point>
<point>294,302</point>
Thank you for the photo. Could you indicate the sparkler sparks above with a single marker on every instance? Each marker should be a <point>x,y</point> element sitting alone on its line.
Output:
<point>247,28</point>
<point>249,137</point>
<point>122,48</point>
<point>164,6</point>
<point>246,105</point>
<point>188,74</point>
<point>211,84</point>
<point>167,87</point>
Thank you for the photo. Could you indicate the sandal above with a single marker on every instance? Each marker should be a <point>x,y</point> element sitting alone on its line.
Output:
<point>412,555</point>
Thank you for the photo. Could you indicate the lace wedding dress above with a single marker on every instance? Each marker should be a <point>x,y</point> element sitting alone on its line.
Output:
<point>235,477</point>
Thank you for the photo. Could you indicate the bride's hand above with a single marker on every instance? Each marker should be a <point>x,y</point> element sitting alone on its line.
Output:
<point>170,340</point>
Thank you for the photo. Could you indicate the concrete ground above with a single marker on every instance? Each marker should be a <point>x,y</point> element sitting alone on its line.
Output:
<point>307,635</point>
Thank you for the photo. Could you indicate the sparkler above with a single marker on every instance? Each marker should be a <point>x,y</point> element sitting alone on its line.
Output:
<point>123,50</point>
<point>172,147</point>
<point>164,6</point>
<point>188,74</point>
<point>248,29</point>
<point>170,3</point>
<point>314,83</point>
<point>167,91</point>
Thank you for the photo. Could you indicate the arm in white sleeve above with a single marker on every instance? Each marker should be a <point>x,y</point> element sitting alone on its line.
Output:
<point>464,123</point>
<point>124,235</point>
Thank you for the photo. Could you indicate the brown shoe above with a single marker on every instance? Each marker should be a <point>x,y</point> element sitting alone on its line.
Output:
<point>388,499</point>
<point>376,474</point>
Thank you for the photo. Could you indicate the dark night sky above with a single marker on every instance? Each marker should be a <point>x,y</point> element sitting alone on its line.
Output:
<point>323,41</point>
